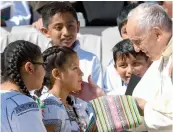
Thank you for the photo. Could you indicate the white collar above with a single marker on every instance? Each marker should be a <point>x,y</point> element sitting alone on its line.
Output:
<point>168,50</point>
<point>76,46</point>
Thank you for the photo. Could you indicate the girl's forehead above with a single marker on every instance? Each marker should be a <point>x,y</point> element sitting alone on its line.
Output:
<point>72,60</point>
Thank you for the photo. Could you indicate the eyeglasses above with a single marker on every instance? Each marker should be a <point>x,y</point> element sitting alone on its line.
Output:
<point>39,63</point>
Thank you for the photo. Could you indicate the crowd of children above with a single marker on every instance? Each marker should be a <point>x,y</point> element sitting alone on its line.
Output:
<point>57,74</point>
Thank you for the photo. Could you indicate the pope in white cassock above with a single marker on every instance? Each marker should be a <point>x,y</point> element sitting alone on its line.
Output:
<point>150,30</point>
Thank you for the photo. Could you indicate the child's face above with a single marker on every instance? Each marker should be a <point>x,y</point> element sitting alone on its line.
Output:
<point>63,29</point>
<point>123,31</point>
<point>35,74</point>
<point>125,67</point>
<point>72,75</point>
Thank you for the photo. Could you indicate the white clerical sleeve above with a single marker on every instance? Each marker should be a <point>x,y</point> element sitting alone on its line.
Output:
<point>155,120</point>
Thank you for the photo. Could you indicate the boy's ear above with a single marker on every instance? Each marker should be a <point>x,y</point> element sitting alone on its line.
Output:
<point>45,32</point>
<point>56,74</point>
<point>78,26</point>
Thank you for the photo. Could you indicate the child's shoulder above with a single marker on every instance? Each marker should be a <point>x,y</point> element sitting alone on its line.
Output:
<point>83,53</point>
<point>87,54</point>
<point>15,97</point>
<point>50,99</point>
<point>18,103</point>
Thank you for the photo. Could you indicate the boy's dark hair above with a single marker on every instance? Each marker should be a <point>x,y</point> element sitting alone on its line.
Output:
<point>123,15</point>
<point>160,2</point>
<point>12,59</point>
<point>52,8</point>
<point>125,48</point>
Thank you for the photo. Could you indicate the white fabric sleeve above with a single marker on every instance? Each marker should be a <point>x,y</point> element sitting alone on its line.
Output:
<point>107,82</point>
<point>97,75</point>
<point>156,120</point>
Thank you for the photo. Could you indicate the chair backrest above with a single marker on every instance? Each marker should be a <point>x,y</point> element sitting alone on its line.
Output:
<point>5,30</point>
<point>24,33</point>
<point>23,29</point>
<point>109,38</point>
<point>91,43</point>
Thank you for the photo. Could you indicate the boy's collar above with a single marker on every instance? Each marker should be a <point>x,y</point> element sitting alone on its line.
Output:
<point>76,45</point>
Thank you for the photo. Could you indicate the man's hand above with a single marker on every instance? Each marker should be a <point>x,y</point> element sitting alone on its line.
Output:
<point>141,104</point>
<point>38,24</point>
<point>89,91</point>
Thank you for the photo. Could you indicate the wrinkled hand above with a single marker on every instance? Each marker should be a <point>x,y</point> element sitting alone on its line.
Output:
<point>38,24</point>
<point>141,104</point>
<point>89,91</point>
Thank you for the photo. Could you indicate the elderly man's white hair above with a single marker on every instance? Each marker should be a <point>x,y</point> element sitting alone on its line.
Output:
<point>149,15</point>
